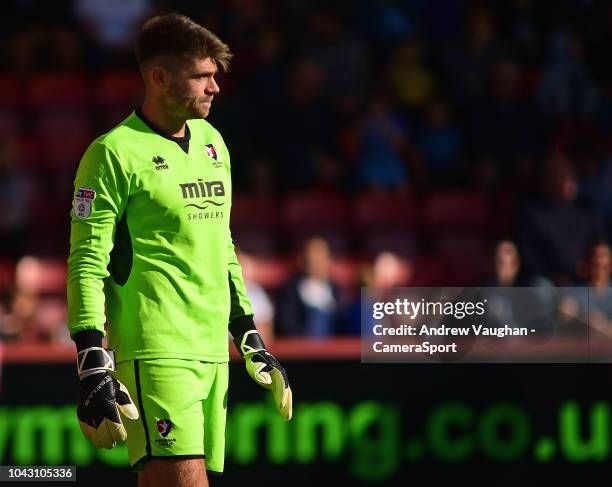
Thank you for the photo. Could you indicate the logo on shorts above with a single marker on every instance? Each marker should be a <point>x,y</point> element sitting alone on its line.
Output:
<point>164,426</point>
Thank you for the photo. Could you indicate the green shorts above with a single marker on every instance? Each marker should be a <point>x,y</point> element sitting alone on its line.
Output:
<point>182,406</point>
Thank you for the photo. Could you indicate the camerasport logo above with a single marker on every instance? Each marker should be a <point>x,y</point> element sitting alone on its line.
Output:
<point>212,153</point>
<point>164,426</point>
<point>82,202</point>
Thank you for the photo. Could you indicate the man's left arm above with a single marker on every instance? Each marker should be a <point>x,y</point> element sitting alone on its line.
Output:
<point>261,365</point>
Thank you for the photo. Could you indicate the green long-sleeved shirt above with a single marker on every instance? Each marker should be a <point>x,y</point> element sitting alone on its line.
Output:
<point>151,250</point>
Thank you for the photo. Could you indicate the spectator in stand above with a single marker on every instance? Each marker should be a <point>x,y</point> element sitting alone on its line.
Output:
<point>507,264</point>
<point>341,55</point>
<point>504,124</point>
<point>594,304</point>
<point>595,188</point>
<point>387,272</point>
<point>265,82</point>
<point>390,271</point>
<point>554,230</point>
<point>45,47</point>
<point>9,329</point>
<point>309,304</point>
<point>469,64</point>
<point>440,145</point>
<point>112,26</point>
<point>507,268</point>
<point>260,302</point>
<point>309,132</point>
<point>385,146</point>
<point>412,81</point>
<point>567,90</point>
<point>534,307</point>
<point>36,313</point>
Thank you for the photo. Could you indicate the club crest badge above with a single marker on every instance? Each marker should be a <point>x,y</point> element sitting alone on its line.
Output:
<point>164,426</point>
<point>212,153</point>
<point>83,199</point>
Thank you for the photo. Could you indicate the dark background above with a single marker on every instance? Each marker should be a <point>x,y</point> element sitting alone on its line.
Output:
<point>421,143</point>
<point>411,137</point>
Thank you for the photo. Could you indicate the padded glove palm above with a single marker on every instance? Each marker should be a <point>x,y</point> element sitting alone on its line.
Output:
<point>264,369</point>
<point>102,398</point>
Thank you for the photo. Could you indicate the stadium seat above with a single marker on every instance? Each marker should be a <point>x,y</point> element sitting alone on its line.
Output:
<point>403,243</point>
<point>271,272</point>
<point>117,93</point>
<point>314,208</point>
<point>254,210</point>
<point>502,214</point>
<point>429,271</point>
<point>384,209</point>
<point>456,211</point>
<point>63,153</point>
<point>61,119</point>
<point>316,213</point>
<point>49,214</point>
<point>7,275</point>
<point>119,87</point>
<point>255,241</point>
<point>45,152</point>
<point>60,113</point>
<point>387,222</point>
<point>457,226</point>
<point>10,105</point>
<point>465,257</point>
<point>470,271</point>
<point>57,90</point>
<point>10,90</point>
<point>254,223</point>
<point>29,151</point>
<point>345,271</point>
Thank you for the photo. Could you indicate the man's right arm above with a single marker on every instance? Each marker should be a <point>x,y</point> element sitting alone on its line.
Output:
<point>100,195</point>
<point>101,189</point>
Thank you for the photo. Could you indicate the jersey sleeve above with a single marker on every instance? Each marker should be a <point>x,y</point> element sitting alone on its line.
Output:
<point>100,195</point>
<point>240,303</point>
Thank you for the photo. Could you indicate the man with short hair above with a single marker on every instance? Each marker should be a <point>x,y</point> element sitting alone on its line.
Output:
<point>151,254</point>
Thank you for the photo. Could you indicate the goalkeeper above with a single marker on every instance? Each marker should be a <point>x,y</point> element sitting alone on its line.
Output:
<point>151,255</point>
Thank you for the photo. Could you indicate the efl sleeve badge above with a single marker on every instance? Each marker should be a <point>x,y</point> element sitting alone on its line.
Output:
<point>83,200</point>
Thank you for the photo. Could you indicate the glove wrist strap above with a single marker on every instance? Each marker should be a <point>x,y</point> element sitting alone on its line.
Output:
<point>250,343</point>
<point>94,360</point>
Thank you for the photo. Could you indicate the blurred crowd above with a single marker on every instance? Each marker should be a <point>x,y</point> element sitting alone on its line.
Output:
<point>374,143</point>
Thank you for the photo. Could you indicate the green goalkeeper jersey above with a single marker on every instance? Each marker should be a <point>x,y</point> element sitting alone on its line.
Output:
<point>151,252</point>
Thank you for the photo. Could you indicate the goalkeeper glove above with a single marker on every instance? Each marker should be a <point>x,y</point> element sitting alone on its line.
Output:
<point>102,398</point>
<point>264,369</point>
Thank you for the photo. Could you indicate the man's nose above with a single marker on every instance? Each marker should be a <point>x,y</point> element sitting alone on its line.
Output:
<point>213,87</point>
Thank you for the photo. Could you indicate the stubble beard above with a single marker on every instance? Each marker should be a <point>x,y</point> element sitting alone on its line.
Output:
<point>200,108</point>
<point>186,107</point>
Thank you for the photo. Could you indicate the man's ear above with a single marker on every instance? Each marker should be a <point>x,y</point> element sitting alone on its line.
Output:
<point>159,77</point>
